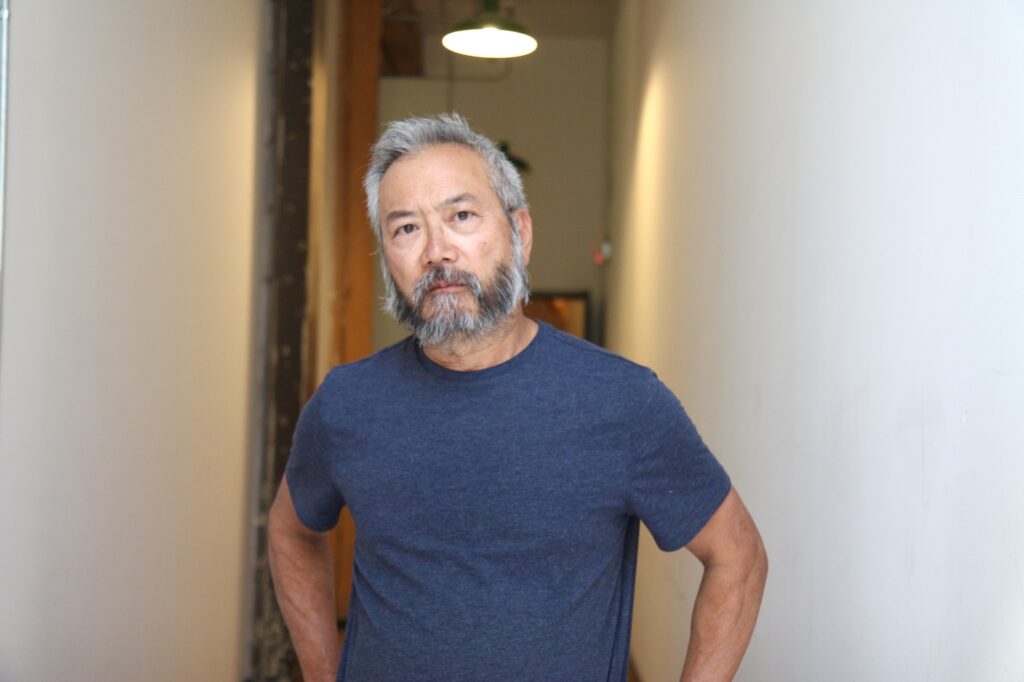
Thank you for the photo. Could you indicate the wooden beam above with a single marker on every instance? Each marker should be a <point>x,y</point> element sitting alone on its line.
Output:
<point>402,41</point>
<point>352,319</point>
<point>357,130</point>
<point>285,151</point>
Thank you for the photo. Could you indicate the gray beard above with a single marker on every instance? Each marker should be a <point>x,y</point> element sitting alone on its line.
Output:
<point>495,303</point>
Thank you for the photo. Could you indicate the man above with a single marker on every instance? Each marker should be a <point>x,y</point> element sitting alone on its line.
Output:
<point>496,469</point>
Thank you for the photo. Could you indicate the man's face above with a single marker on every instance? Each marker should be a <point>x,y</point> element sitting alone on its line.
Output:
<point>450,262</point>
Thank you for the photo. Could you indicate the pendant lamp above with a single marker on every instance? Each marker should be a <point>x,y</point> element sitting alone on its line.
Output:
<point>490,35</point>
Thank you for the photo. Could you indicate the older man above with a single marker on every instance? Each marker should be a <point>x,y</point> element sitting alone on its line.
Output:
<point>497,469</point>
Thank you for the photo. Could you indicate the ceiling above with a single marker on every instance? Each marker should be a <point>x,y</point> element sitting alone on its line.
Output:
<point>562,18</point>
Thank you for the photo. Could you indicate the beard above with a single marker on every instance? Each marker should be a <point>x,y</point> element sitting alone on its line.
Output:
<point>448,319</point>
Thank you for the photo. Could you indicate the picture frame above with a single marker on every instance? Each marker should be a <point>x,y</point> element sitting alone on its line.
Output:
<point>568,311</point>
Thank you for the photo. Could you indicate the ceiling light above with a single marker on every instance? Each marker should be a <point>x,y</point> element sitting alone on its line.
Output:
<point>490,35</point>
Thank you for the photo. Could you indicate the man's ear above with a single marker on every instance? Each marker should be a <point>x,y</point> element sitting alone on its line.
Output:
<point>525,225</point>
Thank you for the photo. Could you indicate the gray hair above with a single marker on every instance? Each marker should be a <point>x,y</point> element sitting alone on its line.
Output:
<point>408,135</point>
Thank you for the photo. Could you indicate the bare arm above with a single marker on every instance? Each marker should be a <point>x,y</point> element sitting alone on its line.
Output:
<point>300,562</point>
<point>735,570</point>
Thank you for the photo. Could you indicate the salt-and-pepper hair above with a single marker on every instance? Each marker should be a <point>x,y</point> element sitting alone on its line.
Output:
<point>511,288</point>
<point>411,134</point>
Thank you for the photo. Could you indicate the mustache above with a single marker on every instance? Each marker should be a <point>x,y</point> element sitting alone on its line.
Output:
<point>445,274</point>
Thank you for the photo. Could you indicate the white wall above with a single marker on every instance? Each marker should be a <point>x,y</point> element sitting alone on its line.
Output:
<point>124,375</point>
<point>819,212</point>
<point>553,111</point>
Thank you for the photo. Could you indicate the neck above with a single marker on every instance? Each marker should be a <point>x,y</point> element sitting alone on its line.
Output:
<point>502,343</point>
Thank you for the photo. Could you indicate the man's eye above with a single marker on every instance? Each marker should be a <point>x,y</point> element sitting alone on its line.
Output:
<point>406,229</point>
<point>462,215</point>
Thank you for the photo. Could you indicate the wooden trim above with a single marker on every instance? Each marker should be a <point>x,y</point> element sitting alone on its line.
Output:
<point>357,118</point>
<point>344,71</point>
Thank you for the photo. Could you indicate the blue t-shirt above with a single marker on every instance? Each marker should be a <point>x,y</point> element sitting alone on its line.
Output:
<point>497,511</point>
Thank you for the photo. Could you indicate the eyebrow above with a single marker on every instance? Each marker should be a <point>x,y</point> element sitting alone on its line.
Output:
<point>457,199</point>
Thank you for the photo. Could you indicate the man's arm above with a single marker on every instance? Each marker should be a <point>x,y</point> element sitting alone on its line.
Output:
<point>300,563</point>
<point>735,569</point>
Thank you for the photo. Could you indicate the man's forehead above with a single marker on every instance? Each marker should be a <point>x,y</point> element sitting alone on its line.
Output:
<point>444,154</point>
<point>444,167</point>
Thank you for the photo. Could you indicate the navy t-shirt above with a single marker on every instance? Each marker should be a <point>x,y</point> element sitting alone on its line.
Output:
<point>497,511</point>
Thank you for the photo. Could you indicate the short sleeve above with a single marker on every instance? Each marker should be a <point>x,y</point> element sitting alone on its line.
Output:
<point>676,483</point>
<point>317,500</point>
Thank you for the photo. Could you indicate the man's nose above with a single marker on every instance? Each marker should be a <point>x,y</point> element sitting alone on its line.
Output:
<point>438,248</point>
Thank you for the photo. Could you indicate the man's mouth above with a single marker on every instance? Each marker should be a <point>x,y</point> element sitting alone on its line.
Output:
<point>445,285</point>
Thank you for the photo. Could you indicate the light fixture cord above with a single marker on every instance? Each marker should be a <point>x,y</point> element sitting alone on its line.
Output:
<point>449,89</point>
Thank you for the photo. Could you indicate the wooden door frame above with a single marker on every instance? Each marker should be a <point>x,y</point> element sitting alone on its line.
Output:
<point>344,122</point>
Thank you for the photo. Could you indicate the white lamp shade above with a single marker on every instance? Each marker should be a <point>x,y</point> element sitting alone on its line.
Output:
<point>489,41</point>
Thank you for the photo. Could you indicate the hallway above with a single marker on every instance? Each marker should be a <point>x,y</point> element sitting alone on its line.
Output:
<point>812,217</point>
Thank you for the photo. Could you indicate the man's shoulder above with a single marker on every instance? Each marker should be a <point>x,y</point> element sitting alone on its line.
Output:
<point>569,352</point>
<point>373,369</point>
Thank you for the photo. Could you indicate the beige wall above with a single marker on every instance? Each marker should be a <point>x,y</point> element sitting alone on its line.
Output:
<point>818,213</point>
<point>552,109</point>
<point>124,374</point>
